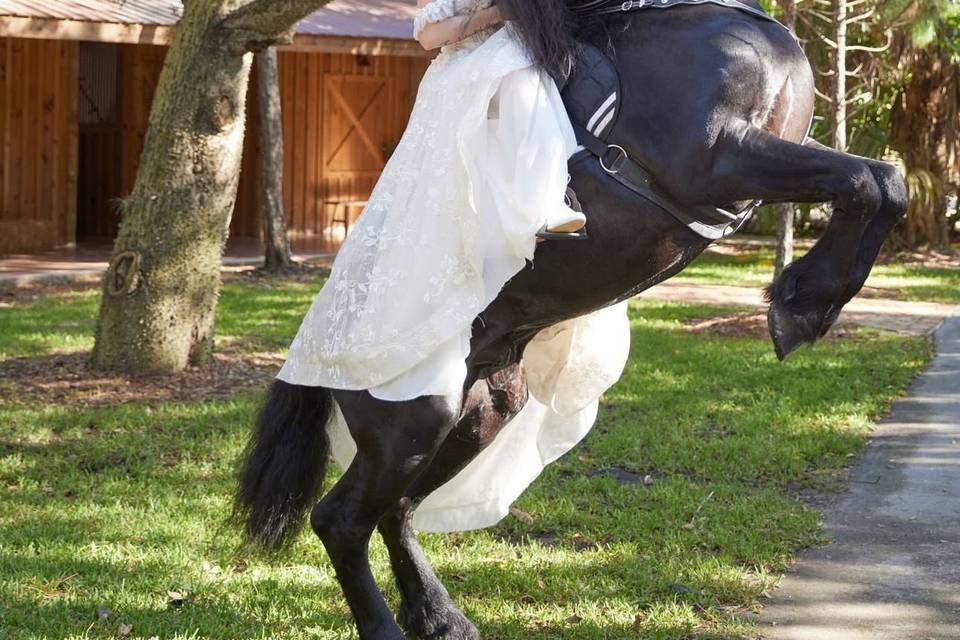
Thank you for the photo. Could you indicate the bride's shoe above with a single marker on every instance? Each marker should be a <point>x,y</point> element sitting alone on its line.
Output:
<point>571,221</point>
<point>570,225</point>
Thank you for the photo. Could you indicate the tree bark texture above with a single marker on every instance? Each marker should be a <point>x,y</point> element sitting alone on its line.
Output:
<point>840,76</point>
<point>786,214</point>
<point>270,164</point>
<point>161,289</point>
<point>925,129</point>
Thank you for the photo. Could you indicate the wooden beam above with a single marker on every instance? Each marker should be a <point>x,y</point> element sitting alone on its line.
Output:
<point>309,43</point>
<point>53,29</point>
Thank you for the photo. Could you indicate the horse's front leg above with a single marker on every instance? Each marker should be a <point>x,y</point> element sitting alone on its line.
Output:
<point>426,609</point>
<point>395,443</point>
<point>868,198</point>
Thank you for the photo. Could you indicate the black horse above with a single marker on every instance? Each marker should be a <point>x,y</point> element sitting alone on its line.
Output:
<point>716,104</point>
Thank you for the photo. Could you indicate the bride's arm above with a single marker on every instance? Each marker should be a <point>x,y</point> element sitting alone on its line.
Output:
<point>434,35</point>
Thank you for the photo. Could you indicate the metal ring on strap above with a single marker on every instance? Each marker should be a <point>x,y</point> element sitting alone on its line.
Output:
<point>616,164</point>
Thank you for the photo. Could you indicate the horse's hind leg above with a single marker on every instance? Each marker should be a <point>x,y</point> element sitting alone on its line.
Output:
<point>426,609</point>
<point>868,198</point>
<point>395,443</point>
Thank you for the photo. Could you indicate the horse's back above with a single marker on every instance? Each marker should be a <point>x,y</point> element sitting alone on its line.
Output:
<point>691,72</point>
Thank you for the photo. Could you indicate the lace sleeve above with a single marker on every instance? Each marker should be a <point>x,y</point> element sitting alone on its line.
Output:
<point>434,11</point>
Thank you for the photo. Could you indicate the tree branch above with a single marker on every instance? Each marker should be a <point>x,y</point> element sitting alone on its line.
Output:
<point>861,17</point>
<point>874,49</point>
<point>261,24</point>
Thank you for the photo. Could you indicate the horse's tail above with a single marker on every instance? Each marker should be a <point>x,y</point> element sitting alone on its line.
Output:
<point>284,464</point>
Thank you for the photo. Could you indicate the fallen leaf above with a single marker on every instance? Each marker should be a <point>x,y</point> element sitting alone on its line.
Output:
<point>124,630</point>
<point>521,515</point>
<point>178,599</point>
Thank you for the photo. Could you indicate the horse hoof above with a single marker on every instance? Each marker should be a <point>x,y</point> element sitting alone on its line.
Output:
<point>431,622</point>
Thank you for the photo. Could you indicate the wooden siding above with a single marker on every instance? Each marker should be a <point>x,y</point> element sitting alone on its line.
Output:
<point>38,143</point>
<point>342,115</point>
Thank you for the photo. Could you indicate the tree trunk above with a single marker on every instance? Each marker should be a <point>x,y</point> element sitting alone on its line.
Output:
<point>925,129</point>
<point>840,77</point>
<point>270,164</point>
<point>785,222</point>
<point>785,212</point>
<point>161,288</point>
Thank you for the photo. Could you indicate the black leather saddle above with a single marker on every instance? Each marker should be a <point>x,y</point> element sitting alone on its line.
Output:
<point>594,100</point>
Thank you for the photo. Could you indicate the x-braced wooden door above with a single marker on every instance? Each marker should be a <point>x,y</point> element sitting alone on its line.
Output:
<point>362,121</point>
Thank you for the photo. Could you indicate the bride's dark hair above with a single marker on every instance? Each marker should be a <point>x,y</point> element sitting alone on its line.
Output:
<point>546,29</point>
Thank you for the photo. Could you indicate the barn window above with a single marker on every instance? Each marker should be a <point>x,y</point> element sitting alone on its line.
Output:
<point>98,83</point>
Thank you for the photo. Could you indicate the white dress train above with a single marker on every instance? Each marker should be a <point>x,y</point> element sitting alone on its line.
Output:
<point>479,169</point>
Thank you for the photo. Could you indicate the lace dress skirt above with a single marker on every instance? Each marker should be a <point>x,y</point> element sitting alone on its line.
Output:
<point>481,165</point>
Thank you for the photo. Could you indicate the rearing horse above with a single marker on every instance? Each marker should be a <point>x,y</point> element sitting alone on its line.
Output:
<point>716,105</point>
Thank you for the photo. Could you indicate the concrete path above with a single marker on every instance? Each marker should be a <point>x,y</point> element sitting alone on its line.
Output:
<point>892,569</point>
<point>915,318</point>
<point>88,262</point>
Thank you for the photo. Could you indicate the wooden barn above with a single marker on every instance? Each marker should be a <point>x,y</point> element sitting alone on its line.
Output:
<point>77,79</point>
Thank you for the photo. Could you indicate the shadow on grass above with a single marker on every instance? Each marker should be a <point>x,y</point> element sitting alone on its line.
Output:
<point>131,501</point>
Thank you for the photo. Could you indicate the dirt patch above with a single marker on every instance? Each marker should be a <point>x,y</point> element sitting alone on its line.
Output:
<point>22,294</point>
<point>753,324</point>
<point>68,379</point>
<point>881,293</point>
<point>943,258</point>
<point>750,324</point>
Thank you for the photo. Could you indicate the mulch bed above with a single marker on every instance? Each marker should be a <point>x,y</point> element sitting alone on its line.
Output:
<point>68,379</point>
<point>30,293</point>
<point>298,272</point>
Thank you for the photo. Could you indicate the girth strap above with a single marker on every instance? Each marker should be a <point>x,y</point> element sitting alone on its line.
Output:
<point>710,223</point>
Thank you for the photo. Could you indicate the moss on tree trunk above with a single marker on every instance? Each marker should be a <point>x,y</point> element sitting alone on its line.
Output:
<point>160,292</point>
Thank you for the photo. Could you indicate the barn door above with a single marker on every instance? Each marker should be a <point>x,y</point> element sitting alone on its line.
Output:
<point>99,180</point>
<point>361,125</point>
<point>358,124</point>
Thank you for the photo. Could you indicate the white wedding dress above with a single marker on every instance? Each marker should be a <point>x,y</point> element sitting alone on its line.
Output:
<point>454,216</point>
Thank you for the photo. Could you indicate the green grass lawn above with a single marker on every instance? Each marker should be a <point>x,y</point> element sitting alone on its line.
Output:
<point>754,268</point>
<point>122,506</point>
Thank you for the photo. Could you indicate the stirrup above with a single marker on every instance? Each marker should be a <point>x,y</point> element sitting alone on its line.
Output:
<point>543,234</point>
<point>571,200</point>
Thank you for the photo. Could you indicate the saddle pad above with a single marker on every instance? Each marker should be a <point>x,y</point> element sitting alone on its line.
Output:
<point>592,93</point>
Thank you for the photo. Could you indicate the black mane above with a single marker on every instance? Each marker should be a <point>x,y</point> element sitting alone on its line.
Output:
<point>546,28</point>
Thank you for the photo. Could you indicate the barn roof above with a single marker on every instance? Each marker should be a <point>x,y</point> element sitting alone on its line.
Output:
<point>369,19</point>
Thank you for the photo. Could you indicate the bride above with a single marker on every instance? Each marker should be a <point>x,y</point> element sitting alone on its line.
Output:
<point>479,174</point>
